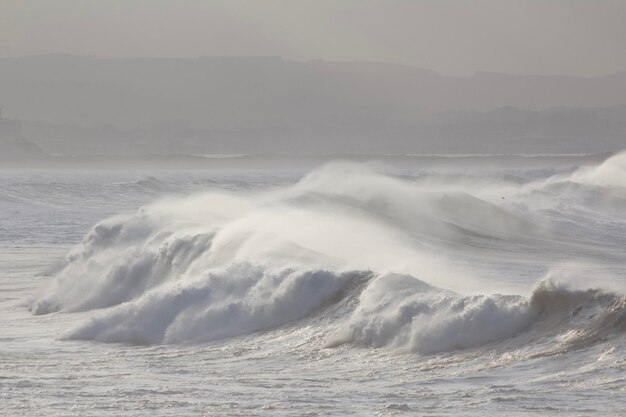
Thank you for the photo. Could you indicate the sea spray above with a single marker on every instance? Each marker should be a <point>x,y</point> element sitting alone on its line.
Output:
<point>221,264</point>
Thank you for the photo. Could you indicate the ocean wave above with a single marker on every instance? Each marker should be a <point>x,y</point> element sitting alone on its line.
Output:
<point>396,312</point>
<point>218,265</point>
<point>237,300</point>
<point>610,173</point>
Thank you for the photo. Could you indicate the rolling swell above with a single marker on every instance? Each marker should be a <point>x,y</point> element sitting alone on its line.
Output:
<point>219,265</point>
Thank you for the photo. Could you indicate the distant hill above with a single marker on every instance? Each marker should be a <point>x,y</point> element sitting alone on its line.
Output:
<point>258,104</point>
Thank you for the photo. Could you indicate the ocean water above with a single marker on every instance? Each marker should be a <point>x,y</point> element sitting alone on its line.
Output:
<point>423,285</point>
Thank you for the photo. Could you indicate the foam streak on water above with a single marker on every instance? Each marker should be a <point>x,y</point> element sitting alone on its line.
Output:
<point>349,289</point>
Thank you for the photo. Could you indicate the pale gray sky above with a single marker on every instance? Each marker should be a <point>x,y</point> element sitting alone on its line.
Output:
<point>573,37</point>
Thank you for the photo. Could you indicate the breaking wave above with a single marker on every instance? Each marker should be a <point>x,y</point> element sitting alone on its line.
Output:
<point>410,256</point>
<point>398,312</point>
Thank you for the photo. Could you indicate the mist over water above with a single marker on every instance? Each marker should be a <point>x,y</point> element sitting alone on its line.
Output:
<point>216,265</point>
<point>351,276</point>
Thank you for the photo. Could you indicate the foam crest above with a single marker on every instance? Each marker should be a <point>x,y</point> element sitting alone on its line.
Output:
<point>610,173</point>
<point>218,265</point>
<point>363,221</point>
<point>403,313</point>
<point>237,300</point>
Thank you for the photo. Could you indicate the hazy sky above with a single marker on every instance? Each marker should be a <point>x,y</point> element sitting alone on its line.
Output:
<point>575,37</point>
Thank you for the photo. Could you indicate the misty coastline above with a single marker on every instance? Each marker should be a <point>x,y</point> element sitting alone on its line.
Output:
<point>269,161</point>
<point>95,108</point>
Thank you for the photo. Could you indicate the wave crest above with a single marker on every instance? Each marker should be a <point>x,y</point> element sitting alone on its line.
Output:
<point>238,300</point>
<point>219,265</point>
<point>396,312</point>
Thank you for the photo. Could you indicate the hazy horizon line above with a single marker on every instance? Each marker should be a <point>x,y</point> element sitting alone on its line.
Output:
<point>474,73</point>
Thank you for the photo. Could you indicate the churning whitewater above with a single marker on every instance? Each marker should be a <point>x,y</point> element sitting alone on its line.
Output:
<point>353,257</point>
<point>488,284</point>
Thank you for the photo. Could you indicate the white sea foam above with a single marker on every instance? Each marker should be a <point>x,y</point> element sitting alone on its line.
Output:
<point>237,300</point>
<point>217,265</point>
<point>399,311</point>
<point>404,313</point>
<point>611,172</point>
<point>486,286</point>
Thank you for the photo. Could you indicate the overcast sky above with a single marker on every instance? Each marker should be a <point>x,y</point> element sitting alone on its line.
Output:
<point>573,37</point>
